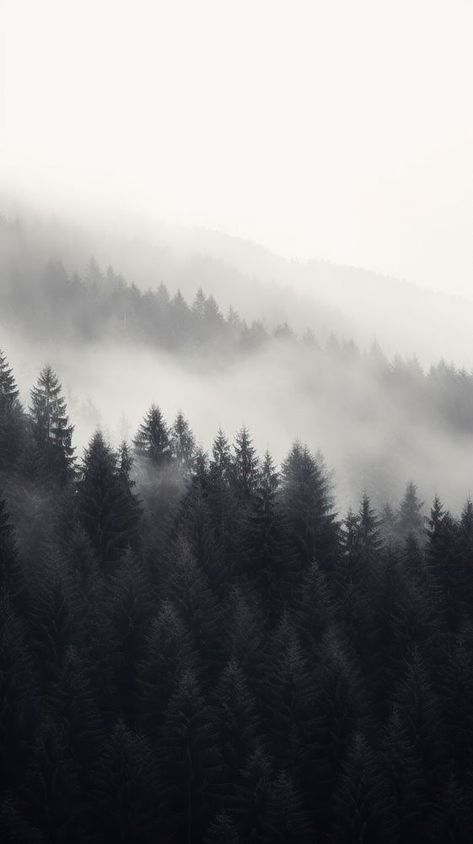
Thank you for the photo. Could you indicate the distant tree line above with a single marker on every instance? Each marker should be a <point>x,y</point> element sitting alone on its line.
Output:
<point>196,648</point>
<point>101,306</point>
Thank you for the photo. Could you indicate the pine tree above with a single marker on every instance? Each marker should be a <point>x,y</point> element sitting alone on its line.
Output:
<point>389,526</point>
<point>167,655</point>
<point>72,702</point>
<point>264,539</point>
<point>49,796</point>
<point>198,305</point>
<point>340,708</point>
<point>19,694</point>
<point>369,527</point>
<point>245,632</point>
<point>53,621</point>
<point>125,465</point>
<point>12,575</point>
<point>464,554</point>
<point>190,763</point>
<point>420,710</point>
<point>152,442</point>
<point>11,417</point>
<point>222,504</point>
<point>410,522</point>
<point>362,546</point>
<point>236,719</point>
<point>400,758</point>
<point>306,503</point>
<point>244,467</point>
<point>351,530</point>
<point>313,608</point>
<point>108,510</point>
<point>220,464</point>
<point>443,570</point>
<point>458,709</point>
<point>363,804</point>
<point>182,443</point>
<point>52,433</point>
<point>250,806</point>
<point>197,525</point>
<point>188,590</point>
<point>289,698</point>
<point>9,394</point>
<point>358,576</point>
<point>124,790</point>
<point>130,608</point>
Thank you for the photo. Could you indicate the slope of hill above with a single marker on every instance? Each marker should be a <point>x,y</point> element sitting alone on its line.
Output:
<point>350,302</point>
<point>379,421</point>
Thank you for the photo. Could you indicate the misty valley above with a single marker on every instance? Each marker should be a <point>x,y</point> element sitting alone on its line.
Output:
<point>236,554</point>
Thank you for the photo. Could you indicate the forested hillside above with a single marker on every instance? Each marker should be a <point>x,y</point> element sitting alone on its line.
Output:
<point>379,419</point>
<point>347,301</point>
<point>200,647</point>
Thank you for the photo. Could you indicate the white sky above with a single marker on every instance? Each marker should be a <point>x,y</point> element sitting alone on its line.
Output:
<point>340,129</point>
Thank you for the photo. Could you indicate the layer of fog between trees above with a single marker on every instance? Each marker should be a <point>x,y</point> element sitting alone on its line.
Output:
<point>370,440</point>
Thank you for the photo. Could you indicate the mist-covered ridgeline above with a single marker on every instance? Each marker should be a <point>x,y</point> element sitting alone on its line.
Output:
<point>284,365</point>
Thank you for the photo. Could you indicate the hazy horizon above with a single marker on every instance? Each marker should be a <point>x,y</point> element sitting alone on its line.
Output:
<point>336,131</point>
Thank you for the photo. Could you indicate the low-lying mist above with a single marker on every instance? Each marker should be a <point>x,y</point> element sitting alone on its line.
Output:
<point>351,302</point>
<point>371,442</point>
<point>378,423</point>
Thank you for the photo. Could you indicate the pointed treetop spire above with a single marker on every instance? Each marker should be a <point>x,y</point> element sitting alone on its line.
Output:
<point>8,388</point>
<point>152,442</point>
<point>50,424</point>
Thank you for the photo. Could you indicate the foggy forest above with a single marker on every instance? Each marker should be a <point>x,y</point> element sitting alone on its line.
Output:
<point>209,642</point>
<point>236,422</point>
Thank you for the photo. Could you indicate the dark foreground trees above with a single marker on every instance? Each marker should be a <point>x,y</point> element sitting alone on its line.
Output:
<point>198,649</point>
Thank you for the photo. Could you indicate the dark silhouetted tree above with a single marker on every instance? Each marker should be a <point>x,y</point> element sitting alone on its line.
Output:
<point>152,442</point>
<point>51,430</point>
<point>108,510</point>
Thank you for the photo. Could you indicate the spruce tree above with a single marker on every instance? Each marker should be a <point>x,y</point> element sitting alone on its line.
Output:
<point>129,605</point>
<point>11,417</point>
<point>124,789</point>
<point>19,694</point>
<point>108,510</point>
<point>400,758</point>
<point>188,589</point>
<point>250,806</point>
<point>9,394</point>
<point>289,700</point>
<point>167,655</point>
<point>197,525</point>
<point>182,444</point>
<point>152,442</point>
<point>222,503</point>
<point>52,433</point>
<point>244,467</point>
<point>307,509</point>
<point>410,521</point>
<point>12,574</point>
<point>264,551</point>
<point>49,796</point>
<point>363,804</point>
<point>236,718</point>
<point>190,763</point>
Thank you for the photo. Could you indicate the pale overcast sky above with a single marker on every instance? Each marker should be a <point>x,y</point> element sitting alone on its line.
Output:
<point>339,129</point>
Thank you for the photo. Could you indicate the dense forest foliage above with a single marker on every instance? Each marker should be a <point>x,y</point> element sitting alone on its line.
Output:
<point>198,648</point>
